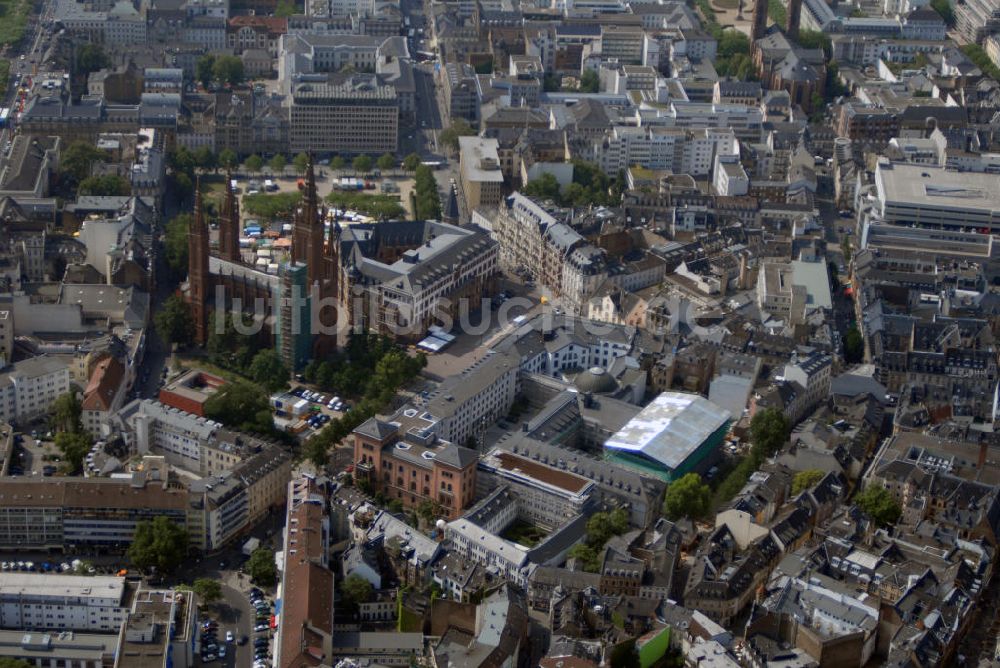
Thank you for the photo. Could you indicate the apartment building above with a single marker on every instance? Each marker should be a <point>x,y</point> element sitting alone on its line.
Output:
<point>354,116</point>
<point>746,121</point>
<point>306,619</point>
<point>976,19</point>
<point>29,388</point>
<point>467,403</point>
<point>868,124</point>
<point>461,91</point>
<point>660,148</point>
<point>405,459</point>
<point>622,43</point>
<point>793,290</point>
<point>104,395</point>
<point>479,166</point>
<point>49,601</point>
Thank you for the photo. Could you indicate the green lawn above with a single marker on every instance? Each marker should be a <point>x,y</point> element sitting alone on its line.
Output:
<point>524,533</point>
<point>726,4</point>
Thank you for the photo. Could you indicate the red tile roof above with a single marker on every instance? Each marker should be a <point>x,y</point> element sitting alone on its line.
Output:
<point>103,385</point>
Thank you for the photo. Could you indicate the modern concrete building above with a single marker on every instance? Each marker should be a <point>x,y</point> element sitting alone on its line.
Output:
<point>356,115</point>
<point>671,436</point>
<point>929,196</point>
<point>40,601</point>
<point>479,165</point>
<point>29,388</point>
<point>793,290</point>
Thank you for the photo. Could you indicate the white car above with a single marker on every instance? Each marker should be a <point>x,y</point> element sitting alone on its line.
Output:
<point>229,636</point>
<point>222,652</point>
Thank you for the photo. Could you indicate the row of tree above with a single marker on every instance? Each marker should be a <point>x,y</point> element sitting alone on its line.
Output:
<point>426,199</point>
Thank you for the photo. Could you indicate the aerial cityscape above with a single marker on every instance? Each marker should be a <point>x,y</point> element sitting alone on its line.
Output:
<point>499,333</point>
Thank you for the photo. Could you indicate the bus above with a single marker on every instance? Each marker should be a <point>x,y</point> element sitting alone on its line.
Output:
<point>4,117</point>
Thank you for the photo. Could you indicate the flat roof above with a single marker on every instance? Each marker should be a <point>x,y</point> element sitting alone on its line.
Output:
<point>562,479</point>
<point>671,428</point>
<point>936,187</point>
<point>58,585</point>
<point>815,277</point>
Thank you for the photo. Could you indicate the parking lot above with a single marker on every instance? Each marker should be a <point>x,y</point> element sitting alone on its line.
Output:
<point>35,456</point>
<point>238,635</point>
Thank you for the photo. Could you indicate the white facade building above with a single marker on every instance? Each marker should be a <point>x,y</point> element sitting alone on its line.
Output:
<point>31,386</point>
<point>62,602</point>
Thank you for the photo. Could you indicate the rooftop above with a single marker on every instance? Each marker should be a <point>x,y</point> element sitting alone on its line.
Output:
<point>670,428</point>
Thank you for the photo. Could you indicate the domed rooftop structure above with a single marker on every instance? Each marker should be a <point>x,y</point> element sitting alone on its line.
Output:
<point>596,381</point>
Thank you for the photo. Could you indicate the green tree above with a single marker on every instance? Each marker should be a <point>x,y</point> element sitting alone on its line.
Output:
<point>459,128</point>
<point>687,497</point>
<point>301,163</point>
<point>285,8</point>
<point>337,163</point>
<point>261,568</point>
<point>733,43</point>
<point>854,346</point>
<point>74,447</point>
<point>228,69</point>
<point>362,164</point>
<point>625,655</point>
<point>411,162</point>
<point>544,187</point>
<point>277,163</point>
<point>254,164</point>
<point>7,662</point>
<point>769,430</point>
<point>206,159</point>
<point>590,82</point>
<point>182,160</point>
<point>226,347</point>
<point>777,12</point>
<point>204,69</point>
<point>176,244</point>
<point>804,480</point>
<point>271,205</point>
<point>181,186</point>
<point>78,158</point>
<point>228,158</point>
<point>174,321</point>
<point>241,405</point>
<point>66,412</point>
<point>269,370</point>
<point>428,202</point>
<point>160,543</point>
<point>878,504</point>
<point>386,162</point>
<point>815,39</point>
<point>105,185</point>
<point>90,57</point>
<point>589,558</point>
<point>207,589</point>
<point>382,207</point>
<point>947,12</point>
<point>356,590</point>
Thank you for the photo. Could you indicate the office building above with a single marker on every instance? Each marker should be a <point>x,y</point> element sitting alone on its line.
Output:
<point>42,601</point>
<point>29,388</point>
<point>356,115</point>
<point>926,195</point>
<point>479,165</point>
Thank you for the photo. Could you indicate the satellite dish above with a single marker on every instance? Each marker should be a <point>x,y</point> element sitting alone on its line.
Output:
<point>440,524</point>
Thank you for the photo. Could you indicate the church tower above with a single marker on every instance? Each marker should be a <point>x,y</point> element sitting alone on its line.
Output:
<point>198,270</point>
<point>759,25</point>
<point>307,231</point>
<point>229,224</point>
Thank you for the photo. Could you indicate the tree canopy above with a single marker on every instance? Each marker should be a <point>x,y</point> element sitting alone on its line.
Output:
<point>66,411</point>
<point>687,497</point>
<point>877,502</point>
<point>804,480</point>
<point>600,528</point>
<point>268,369</point>
<point>208,590</point>
<point>411,162</point>
<point>159,543</point>
<point>241,405</point>
<point>78,158</point>
<point>301,163</point>
<point>769,430</point>
<point>386,162</point>
<point>104,185</point>
<point>228,158</point>
<point>854,346</point>
<point>590,186</point>
<point>459,128</point>
<point>90,57</point>
<point>254,163</point>
<point>271,205</point>
<point>260,566</point>
<point>277,163</point>
<point>356,590</point>
<point>426,196</point>
<point>228,69</point>
<point>382,207</point>
<point>176,245</point>
<point>74,447</point>
<point>590,82</point>
<point>174,321</point>
<point>362,164</point>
